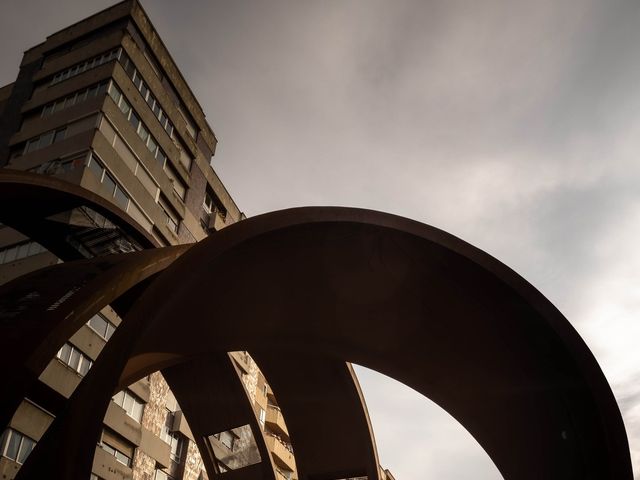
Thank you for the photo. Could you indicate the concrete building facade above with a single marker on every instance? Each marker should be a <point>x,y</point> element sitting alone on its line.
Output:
<point>101,104</point>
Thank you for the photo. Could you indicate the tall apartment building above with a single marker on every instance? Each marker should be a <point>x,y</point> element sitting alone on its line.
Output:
<point>101,104</point>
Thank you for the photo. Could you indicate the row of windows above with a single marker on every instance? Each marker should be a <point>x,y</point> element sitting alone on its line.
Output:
<point>81,67</point>
<point>116,192</point>
<point>155,107</point>
<point>74,359</point>
<point>131,403</point>
<point>150,142</point>
<point>144,90</point>
<point>60,166</point>
<point>16,446</point>
<point>54,136</point>
<point>44,140</point>
<point>19,251</point>
<point>148,54</point>
<point>75,98</point>
<point>137,124</point>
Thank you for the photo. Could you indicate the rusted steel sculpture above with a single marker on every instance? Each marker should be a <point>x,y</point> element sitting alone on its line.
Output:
<point>41,310</point>
<point>335,285</point>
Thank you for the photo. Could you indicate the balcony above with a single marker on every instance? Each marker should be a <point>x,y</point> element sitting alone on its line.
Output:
<point>180,425</point>
<point>214,220</point>
<point>281,452</point>
<point>275,421</point>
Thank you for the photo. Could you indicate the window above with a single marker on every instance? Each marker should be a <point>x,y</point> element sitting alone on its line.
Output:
<point>263,417</point>
<point>46,139</point>
<point>74,359</point>
<point>117,446</point>
<point>177,443</point>
<point>165,433</point>
<point>178,185</point>
<point>185,156</point>
<point>152,145</point>
<point>96,168</point>
<point>16,446</point>
<point>101,326</point>
<point>191,126</point>
<point>20,251</point>
<point>60,134</point>
<point>162,475</point>
<point>121,198</point>
<point>109,183</point>
<point>112,188</point>
<point>135,121</point>
<point>174,439</point>
<point>239,454</point>
<point>144,90</point>
<point>227,438</point>
<point>152,61</point>
<point>172,219</point>
<point>131,403</point>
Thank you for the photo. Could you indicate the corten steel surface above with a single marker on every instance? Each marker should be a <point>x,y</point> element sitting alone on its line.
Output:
<point>394,295</point>
<point>41,310</point>
<point>214,400</point>
<point>325,414</point>
<point>29,199</point>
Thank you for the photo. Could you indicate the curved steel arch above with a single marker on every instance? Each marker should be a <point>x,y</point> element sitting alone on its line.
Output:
<point>218,405</point>
<point>41,310</point>
<point>37,331</point>
<point>39,199</point>
<point>403,298</point>
<point>325,414</point>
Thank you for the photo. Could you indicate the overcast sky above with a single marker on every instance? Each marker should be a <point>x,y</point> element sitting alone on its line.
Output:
<point>514,125</point>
